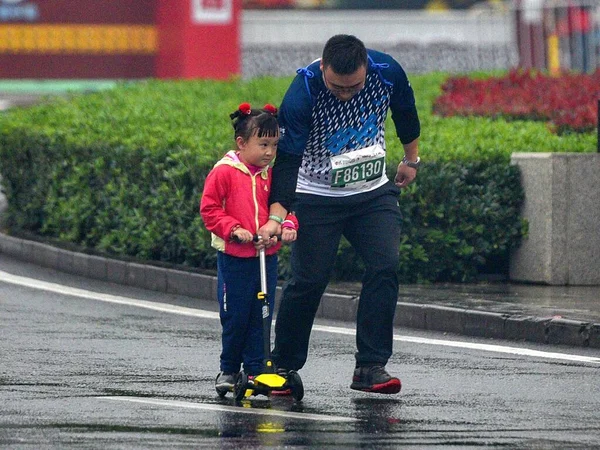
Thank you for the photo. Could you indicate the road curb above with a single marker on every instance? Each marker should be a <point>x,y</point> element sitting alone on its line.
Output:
<point>548,330</point>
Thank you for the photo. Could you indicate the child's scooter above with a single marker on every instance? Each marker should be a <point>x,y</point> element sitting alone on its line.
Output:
<point>269,380</point>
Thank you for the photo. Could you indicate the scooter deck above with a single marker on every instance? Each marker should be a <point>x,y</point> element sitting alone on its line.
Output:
<point>270,380</point>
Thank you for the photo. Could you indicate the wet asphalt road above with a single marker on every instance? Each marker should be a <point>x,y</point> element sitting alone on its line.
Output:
<point>89,365</point>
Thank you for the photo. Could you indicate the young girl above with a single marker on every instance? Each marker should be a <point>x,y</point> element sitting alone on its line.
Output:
<point>234,206</point>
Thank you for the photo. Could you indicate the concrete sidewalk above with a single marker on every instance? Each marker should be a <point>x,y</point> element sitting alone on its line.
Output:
<point>543,314</point>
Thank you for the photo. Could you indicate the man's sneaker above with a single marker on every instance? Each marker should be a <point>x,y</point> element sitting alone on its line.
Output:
<point>375,379</point>
<point>225,382</point>
<point>286,392</point>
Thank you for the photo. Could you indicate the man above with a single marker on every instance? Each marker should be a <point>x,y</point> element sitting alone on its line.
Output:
<point>331,166</point>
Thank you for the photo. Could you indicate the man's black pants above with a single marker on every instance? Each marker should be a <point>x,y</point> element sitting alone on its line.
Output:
<point>372,226</point>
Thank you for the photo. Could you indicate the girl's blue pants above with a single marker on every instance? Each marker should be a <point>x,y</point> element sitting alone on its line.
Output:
<point>238,283</point>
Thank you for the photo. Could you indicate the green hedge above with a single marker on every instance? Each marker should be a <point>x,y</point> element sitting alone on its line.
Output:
<point>121,172</point>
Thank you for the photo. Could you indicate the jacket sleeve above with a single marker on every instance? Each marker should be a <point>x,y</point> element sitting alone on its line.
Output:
<point>295,121</point>
<point>285,176</point>
<point>214,196</point>
<point>293,219</point>
<point>402,104</point>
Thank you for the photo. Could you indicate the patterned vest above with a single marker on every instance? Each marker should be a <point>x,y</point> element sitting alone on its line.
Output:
<point>338,130</point>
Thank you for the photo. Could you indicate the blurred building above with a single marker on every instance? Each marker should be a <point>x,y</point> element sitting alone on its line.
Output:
<point>77,38</point>
<point>128,39</point>
<point>365,4</point>
<point>558,34</point>
<point>122,39</point>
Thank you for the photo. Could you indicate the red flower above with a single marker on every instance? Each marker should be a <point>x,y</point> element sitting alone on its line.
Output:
<point>567,102</point>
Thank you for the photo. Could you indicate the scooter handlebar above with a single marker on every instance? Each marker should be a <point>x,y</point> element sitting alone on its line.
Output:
<point>255,238</point>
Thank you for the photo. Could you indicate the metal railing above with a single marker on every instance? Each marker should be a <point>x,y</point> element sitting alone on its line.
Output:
<point>558,34</point>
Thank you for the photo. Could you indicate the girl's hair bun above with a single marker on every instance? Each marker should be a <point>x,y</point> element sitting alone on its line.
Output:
<point>245,120</point>
<point>270,109</point>
<point>244,108</point>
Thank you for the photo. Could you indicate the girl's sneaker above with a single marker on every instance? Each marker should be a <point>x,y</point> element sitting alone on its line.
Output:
<point>375,379</point>
<point>225,382</point>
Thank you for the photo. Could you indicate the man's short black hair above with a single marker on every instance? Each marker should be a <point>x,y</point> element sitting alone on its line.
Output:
<point>344,54</point>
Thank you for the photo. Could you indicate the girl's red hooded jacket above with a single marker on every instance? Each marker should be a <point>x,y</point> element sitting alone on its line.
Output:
<point>233,197</point>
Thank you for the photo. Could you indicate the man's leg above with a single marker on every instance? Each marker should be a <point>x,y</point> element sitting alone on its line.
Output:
<point>312,259</point>
<point>374,232</point>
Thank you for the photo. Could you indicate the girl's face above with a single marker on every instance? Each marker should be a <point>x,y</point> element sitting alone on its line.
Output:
<point>257,151</point>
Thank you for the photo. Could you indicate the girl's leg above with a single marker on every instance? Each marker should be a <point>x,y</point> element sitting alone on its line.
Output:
<point>236,291</point>
<point>254,343</point>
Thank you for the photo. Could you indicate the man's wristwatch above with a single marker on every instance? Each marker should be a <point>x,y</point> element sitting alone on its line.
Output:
<point>413,164</point>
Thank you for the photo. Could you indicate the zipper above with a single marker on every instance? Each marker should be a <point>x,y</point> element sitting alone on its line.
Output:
<point>255,203</point>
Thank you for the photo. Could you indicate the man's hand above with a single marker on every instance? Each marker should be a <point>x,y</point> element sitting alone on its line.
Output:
<point>404,176</point>
<point>268,234</point>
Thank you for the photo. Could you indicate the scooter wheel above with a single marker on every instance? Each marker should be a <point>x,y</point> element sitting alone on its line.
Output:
<point>241,384</point>
<point>295,383</point>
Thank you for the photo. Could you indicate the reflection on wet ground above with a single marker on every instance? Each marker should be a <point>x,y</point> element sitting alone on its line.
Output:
<point>79,374</point>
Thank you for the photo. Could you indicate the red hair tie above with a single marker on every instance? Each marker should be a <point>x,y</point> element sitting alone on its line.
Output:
<point>270,109</point>
<point>244,108</point>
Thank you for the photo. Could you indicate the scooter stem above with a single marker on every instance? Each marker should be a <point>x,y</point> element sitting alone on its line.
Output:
<point>264,298</point>
<point>263,270</point>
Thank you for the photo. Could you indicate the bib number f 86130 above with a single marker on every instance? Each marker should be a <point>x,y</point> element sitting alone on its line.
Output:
<point>357,167</point>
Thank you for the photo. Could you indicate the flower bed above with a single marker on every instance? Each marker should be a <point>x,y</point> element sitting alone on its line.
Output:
<point>569,103</point>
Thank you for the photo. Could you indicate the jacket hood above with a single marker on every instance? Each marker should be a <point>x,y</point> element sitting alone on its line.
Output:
<point>231,159</point>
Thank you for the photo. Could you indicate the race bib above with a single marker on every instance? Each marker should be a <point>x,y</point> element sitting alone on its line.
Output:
<point>357,168</point>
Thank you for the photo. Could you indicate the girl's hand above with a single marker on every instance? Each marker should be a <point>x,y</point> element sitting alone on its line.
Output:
<point>265,243</point>
<point>288,235</point>
<point>242,236</point>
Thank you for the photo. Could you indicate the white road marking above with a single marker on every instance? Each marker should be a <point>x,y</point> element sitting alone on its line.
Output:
<point>181,310</point>
<point>90,295</point>
<point>474,346</point>
<point>4,104</point>
<point>233,409</point>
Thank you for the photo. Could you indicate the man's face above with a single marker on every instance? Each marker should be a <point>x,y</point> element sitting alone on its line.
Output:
<point>344,87</point>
